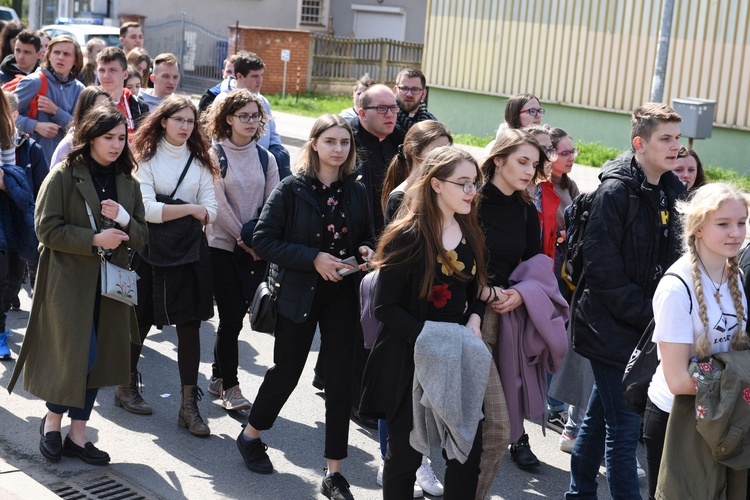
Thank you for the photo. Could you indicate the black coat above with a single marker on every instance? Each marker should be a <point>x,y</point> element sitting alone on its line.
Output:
<point>387,381</point>
<point>138,109</point>
<point>289,236</point>
<point>622,264</point>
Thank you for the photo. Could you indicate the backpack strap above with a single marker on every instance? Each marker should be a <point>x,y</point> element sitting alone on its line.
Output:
<point>263,155</point>
<point>690,295</point>
<point>223,164</point>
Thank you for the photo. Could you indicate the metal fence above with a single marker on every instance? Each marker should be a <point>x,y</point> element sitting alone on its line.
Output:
<point>200,50</point>
<point>337,58</point>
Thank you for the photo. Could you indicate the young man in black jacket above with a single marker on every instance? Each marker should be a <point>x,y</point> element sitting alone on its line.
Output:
<point>629,242</point>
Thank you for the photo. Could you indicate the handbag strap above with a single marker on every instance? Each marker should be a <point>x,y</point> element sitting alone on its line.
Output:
<point>183,174</point>
<point>93,226</point>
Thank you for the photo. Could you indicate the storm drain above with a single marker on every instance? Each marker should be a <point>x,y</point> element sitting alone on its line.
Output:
<point>100,487</point>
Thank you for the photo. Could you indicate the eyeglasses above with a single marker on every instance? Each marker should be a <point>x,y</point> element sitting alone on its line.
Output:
<point>551,153</point>
<point>532,112</point>
<point>570,152</point>
<point>246,117</point>
<point>468,186</point>
<point>182,121</point>
<point>383,109</point>
<point>414,90</point>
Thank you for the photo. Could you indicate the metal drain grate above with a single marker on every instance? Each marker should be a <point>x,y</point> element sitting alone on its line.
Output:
<point>101,487</point>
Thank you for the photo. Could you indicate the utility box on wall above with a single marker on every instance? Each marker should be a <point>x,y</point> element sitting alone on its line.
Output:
<point>697,116</point>
<point>268,43</point>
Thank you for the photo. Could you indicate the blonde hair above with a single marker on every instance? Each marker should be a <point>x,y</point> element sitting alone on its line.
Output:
<point>707,199</point>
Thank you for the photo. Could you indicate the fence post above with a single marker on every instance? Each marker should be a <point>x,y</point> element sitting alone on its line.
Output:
<point>182,47</point>
<point>383,59</point>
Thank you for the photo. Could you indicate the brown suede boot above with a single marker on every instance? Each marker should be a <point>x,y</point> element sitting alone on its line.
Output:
<point>189,416</point>
<point>129,397</point>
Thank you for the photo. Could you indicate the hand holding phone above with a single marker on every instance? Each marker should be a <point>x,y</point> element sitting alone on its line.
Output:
<point>350,261</point>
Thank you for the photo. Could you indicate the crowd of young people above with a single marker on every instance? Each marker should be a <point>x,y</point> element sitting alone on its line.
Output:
<point>469,257</point>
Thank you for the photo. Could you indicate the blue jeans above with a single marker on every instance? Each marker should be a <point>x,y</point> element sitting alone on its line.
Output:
<point>610,429</point>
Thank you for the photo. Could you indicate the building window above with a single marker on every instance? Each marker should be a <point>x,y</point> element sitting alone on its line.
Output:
<point>312,12</point>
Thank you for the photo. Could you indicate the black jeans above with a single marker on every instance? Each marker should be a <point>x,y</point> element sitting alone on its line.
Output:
<point>335,308</point>
<point>402,462</point>
<point>11,277</point>
<point>232,306</point>
<point>654,431</point>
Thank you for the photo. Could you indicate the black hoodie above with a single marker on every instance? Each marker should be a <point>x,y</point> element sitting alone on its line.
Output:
<point>9,70</point>
<point>626,250</point>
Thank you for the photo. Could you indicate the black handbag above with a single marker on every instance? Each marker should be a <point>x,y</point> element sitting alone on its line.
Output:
<point>263,310</point>
<point>643,363</point>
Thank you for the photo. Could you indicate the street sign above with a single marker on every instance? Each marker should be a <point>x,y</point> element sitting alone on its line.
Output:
<point>285,55</point>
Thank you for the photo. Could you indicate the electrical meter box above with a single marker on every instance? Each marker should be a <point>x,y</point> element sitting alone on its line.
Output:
<point>697,116</point>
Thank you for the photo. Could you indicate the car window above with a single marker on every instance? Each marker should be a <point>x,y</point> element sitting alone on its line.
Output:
<point>6,15</point>
<point>111,40</point>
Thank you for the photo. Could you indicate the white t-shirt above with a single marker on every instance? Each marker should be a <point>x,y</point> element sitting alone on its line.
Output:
<point>675,323</point>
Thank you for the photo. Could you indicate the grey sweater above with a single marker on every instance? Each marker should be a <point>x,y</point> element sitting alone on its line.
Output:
<point>451,368</point>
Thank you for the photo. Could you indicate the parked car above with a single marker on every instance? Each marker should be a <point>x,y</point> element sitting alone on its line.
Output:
<point>82,33</point>
<point>8,14</point>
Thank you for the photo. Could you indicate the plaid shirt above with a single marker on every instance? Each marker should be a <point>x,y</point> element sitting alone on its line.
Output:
<point>405,121</point>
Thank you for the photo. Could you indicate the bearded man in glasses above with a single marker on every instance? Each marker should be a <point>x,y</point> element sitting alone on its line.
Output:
<point>411,91</point>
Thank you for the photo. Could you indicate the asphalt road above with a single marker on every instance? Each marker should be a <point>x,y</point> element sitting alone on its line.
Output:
<point>154,457</point>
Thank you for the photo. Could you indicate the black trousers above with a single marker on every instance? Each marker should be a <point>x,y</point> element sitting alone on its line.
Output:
<point>335,309</point>
<point>654,431</point>
<point>402,462</point>
<point>11,276</point>
<point>232,305</point>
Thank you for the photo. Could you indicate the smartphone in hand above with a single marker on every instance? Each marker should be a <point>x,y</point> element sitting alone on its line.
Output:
<point>352,261</point>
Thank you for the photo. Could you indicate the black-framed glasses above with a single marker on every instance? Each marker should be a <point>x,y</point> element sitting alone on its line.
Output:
<point>532,112</point>
<point>383,109</point>
<point>467,186</point>
<point>246,117</point>
<point>414,90</point>
<point>569,152</point>
<point>182,121</point>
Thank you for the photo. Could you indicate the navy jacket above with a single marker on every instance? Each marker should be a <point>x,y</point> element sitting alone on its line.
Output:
<point>30,157</point>
<point>17,214</point>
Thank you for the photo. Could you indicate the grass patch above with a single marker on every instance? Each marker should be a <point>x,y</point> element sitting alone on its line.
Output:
<point>472,140</point>
<point>718,174</point>
<point>594,154</point>
<point>310,104</point>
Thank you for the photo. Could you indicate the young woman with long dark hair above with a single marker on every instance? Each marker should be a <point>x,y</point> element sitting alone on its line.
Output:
<point>74,333</point>
<point>176,285</point>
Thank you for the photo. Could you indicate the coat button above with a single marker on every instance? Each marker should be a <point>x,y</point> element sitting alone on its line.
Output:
<point>723,448</point>
<point>304,315</point>
<point>312,288</point>
<point>317,235</point>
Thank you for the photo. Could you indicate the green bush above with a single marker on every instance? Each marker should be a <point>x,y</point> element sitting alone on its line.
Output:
<point>472,140</point>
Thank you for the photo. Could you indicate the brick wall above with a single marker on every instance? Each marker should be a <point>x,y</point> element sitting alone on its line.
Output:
<point>268,44</point>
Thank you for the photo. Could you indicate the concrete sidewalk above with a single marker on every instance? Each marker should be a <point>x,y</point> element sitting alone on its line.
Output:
<point>15,484</point>
<point>295,130</point>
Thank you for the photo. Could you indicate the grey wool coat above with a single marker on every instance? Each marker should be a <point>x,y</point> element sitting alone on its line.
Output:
<point>55,350</point>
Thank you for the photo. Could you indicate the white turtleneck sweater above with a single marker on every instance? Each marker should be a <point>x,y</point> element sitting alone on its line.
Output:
<point>240,193</point>
<point>161,173</point>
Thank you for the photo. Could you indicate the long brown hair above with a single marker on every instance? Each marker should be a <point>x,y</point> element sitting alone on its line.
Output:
<point>308,162</point>
<point>135,57</point>
<point>97,122</point>
<point>151,132</point>
<point>410,152</point>
<point>7,127</point>
<point>507,143</point>
<point>421,227</point>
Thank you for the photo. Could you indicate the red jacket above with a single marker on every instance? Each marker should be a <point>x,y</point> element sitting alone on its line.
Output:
<point>548,218</point>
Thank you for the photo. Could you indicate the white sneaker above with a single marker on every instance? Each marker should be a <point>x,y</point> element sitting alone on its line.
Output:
<point>567,442</point>
<point>232,399</point>
<point>418,493</point>
<point>215,386</point>
<point>427,480</point>
<point>639,469</point>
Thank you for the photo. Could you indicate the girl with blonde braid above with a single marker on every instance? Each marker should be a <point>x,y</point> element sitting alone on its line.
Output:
<point>704,314</point>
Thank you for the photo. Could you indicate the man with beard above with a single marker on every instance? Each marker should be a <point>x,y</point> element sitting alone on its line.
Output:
<point>410,92</point>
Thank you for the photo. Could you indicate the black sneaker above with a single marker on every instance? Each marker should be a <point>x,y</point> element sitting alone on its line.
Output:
<point>336,487</point>
<point>556,420</point>
<point>254,454</point>
<point>521,454</point>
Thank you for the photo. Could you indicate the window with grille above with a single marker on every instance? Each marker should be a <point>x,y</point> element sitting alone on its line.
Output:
<point>312,12</point>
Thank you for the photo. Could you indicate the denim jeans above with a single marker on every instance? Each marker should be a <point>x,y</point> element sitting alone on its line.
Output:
<point>610,429</point>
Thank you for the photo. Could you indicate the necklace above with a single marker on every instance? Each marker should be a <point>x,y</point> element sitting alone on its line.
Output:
<point>106,183</point>
<point>717,294</point>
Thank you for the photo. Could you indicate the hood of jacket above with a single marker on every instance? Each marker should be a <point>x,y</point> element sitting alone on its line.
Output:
<point>10,69</point>
<point>625,168</point>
